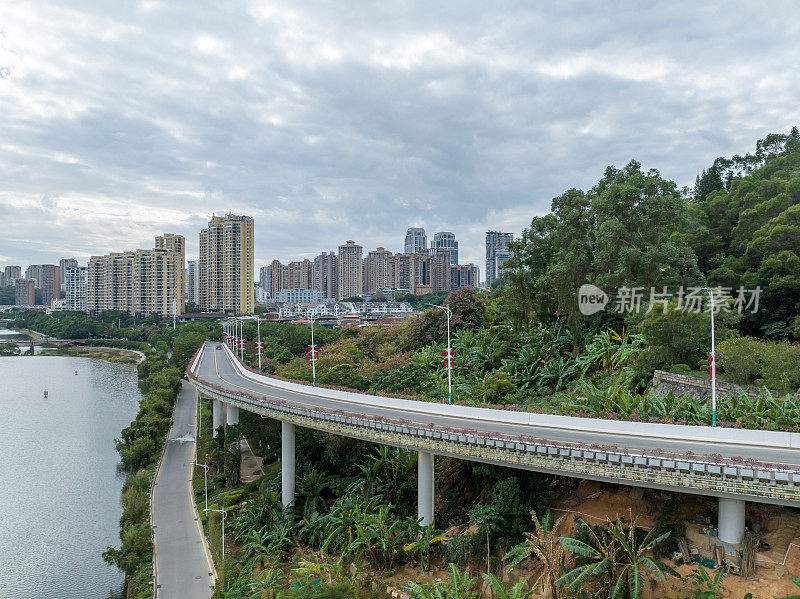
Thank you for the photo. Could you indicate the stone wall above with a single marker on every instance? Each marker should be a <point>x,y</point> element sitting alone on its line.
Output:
<point>664,382</point>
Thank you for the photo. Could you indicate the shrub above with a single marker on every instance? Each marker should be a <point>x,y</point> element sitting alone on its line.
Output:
<point>681,369</point>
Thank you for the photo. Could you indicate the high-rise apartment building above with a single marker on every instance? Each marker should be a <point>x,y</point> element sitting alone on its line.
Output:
<point>24,292</point>
<point>415,241</point>
<point>177,245</point>
<point>76,288</point>
<point>401,271</point>
<point>463,275</point>
<point>377,273</point>
<point>265,280</point>
<point>351,275</point>
<point>46,277</point>
<point>139,282</point>
<point>445,240</point>
<point>495,242</point>
<point>12,274</point>
<point>193,282</point>
<point>63,265</point>
<point>2,279</point>
<point>326,274</point>
<point>226,265</point>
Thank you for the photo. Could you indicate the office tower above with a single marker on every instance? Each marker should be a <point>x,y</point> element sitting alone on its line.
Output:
<point>350,281</point>
<point>495,242</point>
<point>12,274</point>
<point>76,288</point>
<point>377,273</point>
<point>193,282</point>
<point>46,277</point>
<point>139,282</point>
<point>226,265</point>
<point>463,275</point>
<point>326,274</point>
<point>24,292</point>
<point>265,280</point>
<point>415,241</point>
<point>446,240</point>
<point>63,265</point>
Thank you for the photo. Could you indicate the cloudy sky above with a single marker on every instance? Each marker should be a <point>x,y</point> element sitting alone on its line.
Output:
<point>345,120</point>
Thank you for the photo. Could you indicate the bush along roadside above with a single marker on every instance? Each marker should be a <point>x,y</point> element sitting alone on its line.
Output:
<point>140,448</point>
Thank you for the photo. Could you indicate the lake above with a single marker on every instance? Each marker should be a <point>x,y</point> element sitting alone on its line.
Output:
<point>59,483</point>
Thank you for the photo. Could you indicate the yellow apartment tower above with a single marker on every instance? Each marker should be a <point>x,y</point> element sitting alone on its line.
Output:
<point>226,265</point>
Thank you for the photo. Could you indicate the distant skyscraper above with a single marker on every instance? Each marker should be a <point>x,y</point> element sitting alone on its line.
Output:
<point>76,288</point>
<point>24,292</point>
<point>63,265</point>
<point>226,265</point>
<point>377,273</point>
<point>446,240</point>
<point>46,277</point>
<point>193,282</point>
<point>326,274</point>
<point>495,242</point>
<point>177,245</point>
<point>416,240</point>
<point>350,270</point>
<point>265,279</point>
<point>12,274</point>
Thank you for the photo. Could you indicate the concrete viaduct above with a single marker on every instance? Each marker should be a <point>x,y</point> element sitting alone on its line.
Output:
<point>734,465</point>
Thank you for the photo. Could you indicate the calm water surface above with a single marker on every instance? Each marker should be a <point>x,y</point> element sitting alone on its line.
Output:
<point>59,485</point>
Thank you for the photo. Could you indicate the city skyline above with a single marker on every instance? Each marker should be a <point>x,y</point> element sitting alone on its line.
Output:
<point>334,128</point>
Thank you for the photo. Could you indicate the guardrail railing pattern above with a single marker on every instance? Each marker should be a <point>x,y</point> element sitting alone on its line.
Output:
<point>746,477</point>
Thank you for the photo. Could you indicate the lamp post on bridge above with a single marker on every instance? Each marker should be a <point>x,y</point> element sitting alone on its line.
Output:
<point>449,356</point>
<point>712,361</point>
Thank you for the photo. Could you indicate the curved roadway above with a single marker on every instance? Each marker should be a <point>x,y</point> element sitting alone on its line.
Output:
<point>217,367</point>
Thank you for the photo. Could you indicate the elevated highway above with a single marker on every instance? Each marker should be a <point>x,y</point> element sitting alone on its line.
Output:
<point>734,465</point>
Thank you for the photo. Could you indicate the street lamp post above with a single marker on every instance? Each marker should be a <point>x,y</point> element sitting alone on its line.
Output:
<point>258,325</point>
<point>223,531</point>
<point>205,481</point>
<point>449,354</point>
<point>713,366</point>
<point>313,354</point>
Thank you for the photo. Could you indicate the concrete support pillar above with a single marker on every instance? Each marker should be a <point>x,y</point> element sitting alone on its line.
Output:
<point>232,414</point>
<point>217,415</point>
<point>731,520</point>
<point>287,463</point>
<point>425,487</point>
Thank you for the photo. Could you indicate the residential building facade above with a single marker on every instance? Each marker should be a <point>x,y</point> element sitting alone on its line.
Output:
<point>63,265</point>
<point>12,274</point>
<point>299,295</point>
<point>350,283</point>
<point>139,282</point>
<point>463,275</point>
<point>46,277</point>
<point>377,273</point>
<point>24,292</point>
<point>445,240</point>
<point>193,282</point>
<point>226,265</point>
<point>76,288</point>
<point>496,241</point>
<point>415,240</point>
<point>326,274</point>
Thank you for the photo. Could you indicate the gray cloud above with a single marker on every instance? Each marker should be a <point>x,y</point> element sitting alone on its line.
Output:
<point>328,122</point>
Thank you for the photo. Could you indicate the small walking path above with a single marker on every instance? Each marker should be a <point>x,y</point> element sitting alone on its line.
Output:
<point>250,468</point>
<point>183,565</point>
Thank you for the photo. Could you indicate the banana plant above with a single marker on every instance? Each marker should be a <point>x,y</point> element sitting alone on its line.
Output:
<point>501,592</point>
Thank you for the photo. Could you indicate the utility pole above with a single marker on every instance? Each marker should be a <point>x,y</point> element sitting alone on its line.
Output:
<point>258,324</point>
<point>313,354</point>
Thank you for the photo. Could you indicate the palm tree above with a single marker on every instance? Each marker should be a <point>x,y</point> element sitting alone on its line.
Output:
<point>501,592</point>
<point>544,543</point>
<point>310,488</point>
<point>616,555</point>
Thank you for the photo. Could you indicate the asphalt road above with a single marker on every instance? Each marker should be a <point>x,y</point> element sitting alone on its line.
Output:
<point>182,566</point>
<point>217,367</point>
